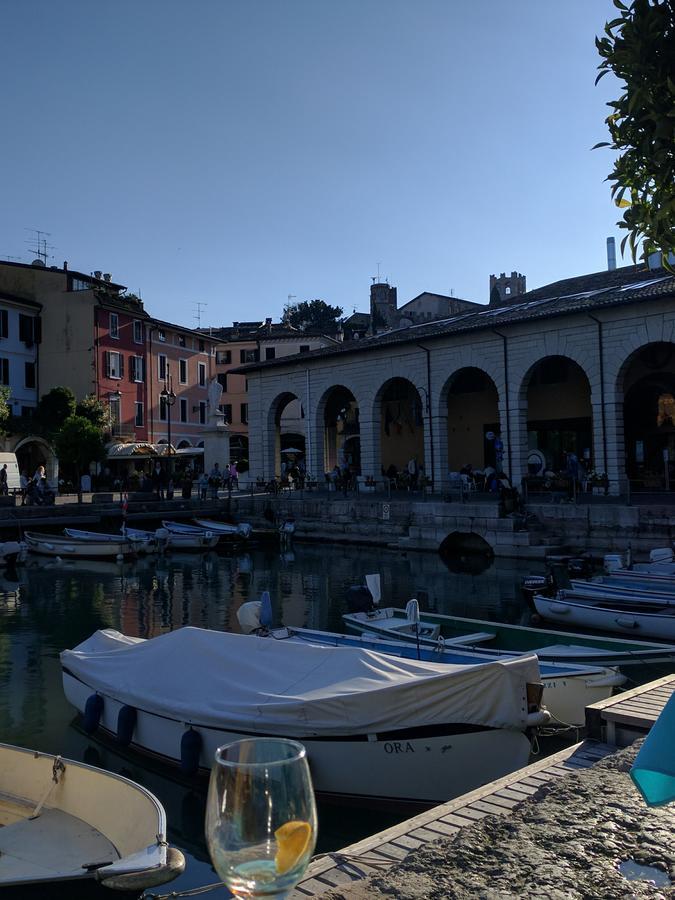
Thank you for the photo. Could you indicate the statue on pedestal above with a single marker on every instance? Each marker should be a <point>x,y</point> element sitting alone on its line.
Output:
<point>213,397</point>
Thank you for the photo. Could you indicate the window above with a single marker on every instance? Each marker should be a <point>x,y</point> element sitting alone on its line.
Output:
<point>202,412</point>
<point>183,410</point>
<point>181,340</point>
<point>223,357</point>
<point>161,367</point>
<point>162,409</point>
<point>161,335</point>
<point>304,348</point>
<point>115,410</point>
<point>27,412</point>
<point>29,377</point>
<point>249,356</point>
<point>136,368</point>
<point>222,380</point>
<point>30,330</point>
<point>201,346</point>
<point>138,332</point>
<point>113,363</point>
<point>202,374</point>
<point>226,409</point>
<point>270,352</point>
<point>4,371</point>
<point>77,284</point>
<point>4,323</point>
<point>114,325</point>
<point>244,413</point>
<point>183,371</point>
<point>138,421</point>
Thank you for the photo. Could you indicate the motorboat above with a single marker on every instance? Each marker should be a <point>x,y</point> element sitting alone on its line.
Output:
<point>376,728</point>
<point>67,822</point>
<point>75,548</point>
<point>12,552</point>
<point>661,566</point>
<point>173,540</point>
<point>490,638</point>
<point>241,531</point>
<point>643,618</point>
<point>143,542</point>
<point>568,688</point>
<point>608,588</point>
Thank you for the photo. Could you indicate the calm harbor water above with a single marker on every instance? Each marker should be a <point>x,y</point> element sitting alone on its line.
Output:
<point>54,605</point>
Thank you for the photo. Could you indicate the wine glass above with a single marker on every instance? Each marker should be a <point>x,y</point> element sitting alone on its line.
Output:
<point>260,816</point>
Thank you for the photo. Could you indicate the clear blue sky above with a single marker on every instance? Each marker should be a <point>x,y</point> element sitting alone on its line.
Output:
<point>234,153</point>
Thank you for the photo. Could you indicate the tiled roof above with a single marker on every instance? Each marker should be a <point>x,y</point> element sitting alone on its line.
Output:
<point>630,284</point>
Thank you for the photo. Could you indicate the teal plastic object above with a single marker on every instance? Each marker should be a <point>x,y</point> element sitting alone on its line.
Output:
<point>653,771</point>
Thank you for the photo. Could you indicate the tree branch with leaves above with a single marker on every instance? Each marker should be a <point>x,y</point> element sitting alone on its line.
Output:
<point>639,48</point>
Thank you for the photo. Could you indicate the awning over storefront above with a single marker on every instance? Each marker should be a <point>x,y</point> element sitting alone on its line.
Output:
<point>144,448</point>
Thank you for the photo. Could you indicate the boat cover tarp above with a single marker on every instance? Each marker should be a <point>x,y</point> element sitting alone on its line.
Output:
<point>252,684</point>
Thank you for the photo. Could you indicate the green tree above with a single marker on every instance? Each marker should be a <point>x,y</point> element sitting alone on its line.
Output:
<point>54,408</point>
<point>77,443</point>
<point>93,409</point>
<point>313,315</point>
<point>5,411</point>
<point>639,48</point>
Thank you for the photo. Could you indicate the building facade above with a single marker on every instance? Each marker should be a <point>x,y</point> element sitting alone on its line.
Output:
<point>585,366</point>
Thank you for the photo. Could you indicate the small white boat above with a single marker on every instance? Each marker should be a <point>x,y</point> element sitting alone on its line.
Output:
<point>143,542</point>
<point>375,727</point>
<point>13,552</point>
<point>224,529</point>
<point>661,566</point>
<point>568,688</point>
<point>168,540</point>
<point>607,588</point>
<point>64,821</point>
<point>641,619</point>
<point>75,548</point>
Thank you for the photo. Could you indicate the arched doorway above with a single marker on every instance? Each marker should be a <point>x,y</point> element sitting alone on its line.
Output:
<point>32,452</point>
<point>401,426</point>
<point>341,431</point>
<point>649,417</point>
<point>473,421</point>
<point>559,415</point>
<point>288,428</point>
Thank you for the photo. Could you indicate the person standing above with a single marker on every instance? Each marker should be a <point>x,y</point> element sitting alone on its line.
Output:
<point>234,476</point>
<point>23,484</point>
<point>413,473</point>
<point>215,480</point>
<point>203,485</point>
<point>4,488</point>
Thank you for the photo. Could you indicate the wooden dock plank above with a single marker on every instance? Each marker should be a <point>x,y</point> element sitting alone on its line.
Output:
<point>379,852</point>
<point>625,716</point>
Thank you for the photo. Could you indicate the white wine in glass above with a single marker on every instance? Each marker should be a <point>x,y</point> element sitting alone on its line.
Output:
<point>261,816</point>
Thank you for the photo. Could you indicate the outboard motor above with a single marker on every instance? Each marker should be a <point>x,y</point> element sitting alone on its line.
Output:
<point>537,584</point>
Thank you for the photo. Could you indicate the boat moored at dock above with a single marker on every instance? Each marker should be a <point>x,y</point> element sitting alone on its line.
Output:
<point>75,548</point>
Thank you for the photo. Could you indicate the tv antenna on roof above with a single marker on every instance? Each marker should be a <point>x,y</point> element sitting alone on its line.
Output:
<point>198,315</point>
<point>39,244</point>
<point>376,279</point>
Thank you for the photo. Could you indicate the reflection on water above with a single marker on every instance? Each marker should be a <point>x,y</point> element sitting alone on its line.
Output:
<point>49,606</point>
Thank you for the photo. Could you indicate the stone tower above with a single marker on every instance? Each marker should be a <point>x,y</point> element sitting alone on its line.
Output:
<point>383,306</point>
<point>506,288</point>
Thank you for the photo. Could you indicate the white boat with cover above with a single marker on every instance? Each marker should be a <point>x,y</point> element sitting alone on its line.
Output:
<point>168,540</point>
<point>75,548</point>
<point>641,619</point>
<point>225,529</point>
<point>568,688</point>
<point>142,541</point>
<point>64,821</point>
<point>375,727</point>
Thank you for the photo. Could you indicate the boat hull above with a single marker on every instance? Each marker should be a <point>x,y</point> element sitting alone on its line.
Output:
<point>410,768</point>
<point>69,548</point>
<point>615,618</point>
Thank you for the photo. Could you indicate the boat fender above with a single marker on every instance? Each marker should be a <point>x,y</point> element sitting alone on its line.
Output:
<point>92,713</point>
<point>190,751</point>
<point>126,722</point>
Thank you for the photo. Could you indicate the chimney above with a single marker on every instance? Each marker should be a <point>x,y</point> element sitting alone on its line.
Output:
<point>268,324</point>
<point>65,265</point>
<point>611,254</point>
<point>98,275</point>
<point>107,276</point>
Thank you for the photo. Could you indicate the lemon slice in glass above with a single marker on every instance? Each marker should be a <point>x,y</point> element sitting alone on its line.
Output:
<point>292,841</point>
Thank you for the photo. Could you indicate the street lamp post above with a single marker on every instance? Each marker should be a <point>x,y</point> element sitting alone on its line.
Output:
<point>169,398</point>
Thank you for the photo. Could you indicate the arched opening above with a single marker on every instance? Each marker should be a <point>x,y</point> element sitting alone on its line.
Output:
<point>473,421</point>
<point>183,445</point>
<point>289,433</point>
<point>466,552</point>
<point>239,451</point>
<point>34,452</point>
<point>341,431</point>
<point>559,415</point>
<point>401,427</point>
<point>649,417</point>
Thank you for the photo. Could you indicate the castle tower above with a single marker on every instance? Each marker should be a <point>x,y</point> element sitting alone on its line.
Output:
<point>383,306</point>
<point>506,288</point>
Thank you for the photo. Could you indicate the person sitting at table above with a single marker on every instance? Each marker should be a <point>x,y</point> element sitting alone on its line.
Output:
<point>468,471</point>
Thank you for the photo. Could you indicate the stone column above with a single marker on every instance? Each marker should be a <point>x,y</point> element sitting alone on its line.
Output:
<point>371,456</point>
<point>514,435</point>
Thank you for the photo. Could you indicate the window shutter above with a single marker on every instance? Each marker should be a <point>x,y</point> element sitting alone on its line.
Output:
<point>132,368</point>
<point>143,378</point>
<point>121,358</point>
<point>37,330</point>
<point>106,363</point>
<point>4,325</point>
<point>5,371</point>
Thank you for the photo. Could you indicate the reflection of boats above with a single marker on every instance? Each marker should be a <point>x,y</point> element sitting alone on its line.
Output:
<point>66,821</point>
<point>568,688</point>
<point>482,636</point>
<point>644,618</point>
<point>174,540</point>
<point>12,552</point>
<point>194,689</point>
<point>73,548</point>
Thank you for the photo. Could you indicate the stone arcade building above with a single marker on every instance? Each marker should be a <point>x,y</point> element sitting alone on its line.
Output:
<point>586,364</point>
